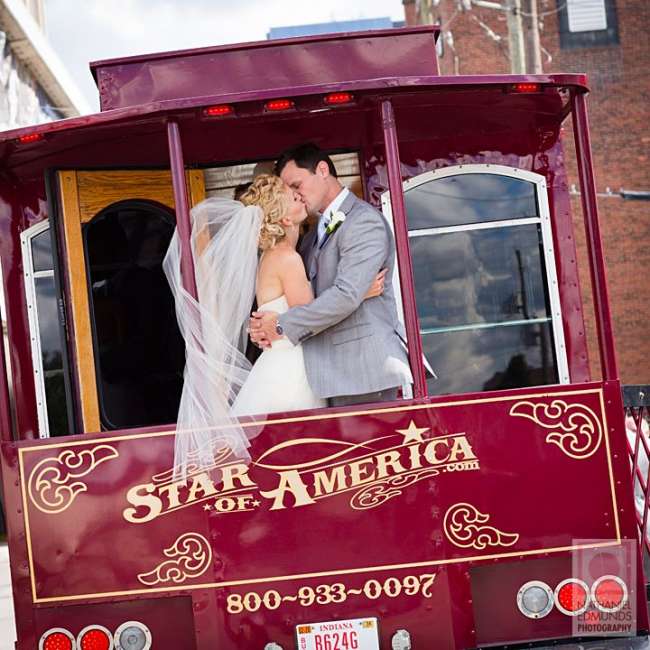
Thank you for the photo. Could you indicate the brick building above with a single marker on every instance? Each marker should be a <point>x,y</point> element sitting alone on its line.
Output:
<point>607,39</point>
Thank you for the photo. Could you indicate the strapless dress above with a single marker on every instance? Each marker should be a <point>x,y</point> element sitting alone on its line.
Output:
<point>278,381</point>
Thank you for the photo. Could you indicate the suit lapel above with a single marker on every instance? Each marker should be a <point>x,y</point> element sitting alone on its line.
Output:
<point>345,207</point>
<point>317,250</point>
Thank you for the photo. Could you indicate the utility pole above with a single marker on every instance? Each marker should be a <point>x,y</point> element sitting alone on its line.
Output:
<point>524,46</point>
<point>516,42</point>
<point>533,48</point>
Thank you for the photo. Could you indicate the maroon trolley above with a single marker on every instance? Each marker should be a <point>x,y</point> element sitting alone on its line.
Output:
<point>491,505</point>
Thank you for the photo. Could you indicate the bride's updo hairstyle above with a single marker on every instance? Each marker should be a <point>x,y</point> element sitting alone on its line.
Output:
<point>267,192</point>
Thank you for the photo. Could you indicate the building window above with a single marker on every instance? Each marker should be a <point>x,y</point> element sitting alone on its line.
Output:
<point>45,331</point>
<point>587,23</point>
<point>485,283</point>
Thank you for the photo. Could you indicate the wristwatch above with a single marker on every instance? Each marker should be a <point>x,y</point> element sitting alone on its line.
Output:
<point>278,329</point>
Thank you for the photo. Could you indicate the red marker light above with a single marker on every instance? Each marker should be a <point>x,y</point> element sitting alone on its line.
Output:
<point>572,597</point>
<point>526,88</point>
<point>609,593</point>
<point>95,637</point>
<point>279,105</point>
<point>30,137</point>
<point>57,639</point>
<point>220,110</point>
<point>338,98</point>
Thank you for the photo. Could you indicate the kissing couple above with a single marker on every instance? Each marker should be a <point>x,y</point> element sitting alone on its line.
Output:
<point>327,318</point>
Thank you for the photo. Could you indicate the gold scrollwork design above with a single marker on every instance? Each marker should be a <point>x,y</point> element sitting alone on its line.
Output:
<point>466,527</point>
<point>190,554</point>
<point>380,492</point>
<point>576,428</point>
<point>339,449</point>
<point>52,486</point>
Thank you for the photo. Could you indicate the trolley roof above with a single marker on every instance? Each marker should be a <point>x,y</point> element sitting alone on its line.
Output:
<point>138,95</point>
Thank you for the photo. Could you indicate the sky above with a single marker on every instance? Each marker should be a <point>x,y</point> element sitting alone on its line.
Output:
<point>90,30</point>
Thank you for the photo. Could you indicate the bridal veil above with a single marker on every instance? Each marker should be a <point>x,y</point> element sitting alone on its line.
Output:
<point>224,244</point>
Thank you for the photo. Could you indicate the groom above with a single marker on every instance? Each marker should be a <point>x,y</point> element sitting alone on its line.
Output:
<point>351,346</point>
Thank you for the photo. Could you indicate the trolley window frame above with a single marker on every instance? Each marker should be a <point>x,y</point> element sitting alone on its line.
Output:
<point>544,220</point>
<point>30,276</point>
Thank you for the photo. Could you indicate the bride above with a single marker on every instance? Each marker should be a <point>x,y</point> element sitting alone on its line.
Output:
<point>220,387</point>
<point>278,381</point>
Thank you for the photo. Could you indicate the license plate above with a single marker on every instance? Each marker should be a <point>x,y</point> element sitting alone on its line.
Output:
<point>353,634</point>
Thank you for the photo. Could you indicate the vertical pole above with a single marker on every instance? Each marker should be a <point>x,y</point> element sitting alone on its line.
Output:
<point>595,246</point>
<point>403,254</point>
<point>7,416</point>
<point>182,206</point>
<point>534,50</point>
<point>6,429</point>
<point>516,37</point>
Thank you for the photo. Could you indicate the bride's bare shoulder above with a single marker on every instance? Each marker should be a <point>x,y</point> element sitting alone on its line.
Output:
<point>281,255</point>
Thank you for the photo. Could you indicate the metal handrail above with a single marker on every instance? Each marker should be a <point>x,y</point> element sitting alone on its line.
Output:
<point>636,402</point>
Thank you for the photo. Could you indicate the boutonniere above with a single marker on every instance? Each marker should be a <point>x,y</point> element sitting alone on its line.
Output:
<point>335,223</point>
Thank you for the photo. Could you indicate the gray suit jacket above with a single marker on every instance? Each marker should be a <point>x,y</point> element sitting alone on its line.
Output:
<point>351,346</point>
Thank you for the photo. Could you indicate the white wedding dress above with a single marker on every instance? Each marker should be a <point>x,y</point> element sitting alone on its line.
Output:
<point>278,381</point>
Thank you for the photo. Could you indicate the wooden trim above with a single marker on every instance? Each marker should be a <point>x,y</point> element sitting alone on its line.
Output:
<point>75,260</point>
<point>99,189</point>
<point>196,191</point>
<point>195,185</point>
<point>83,195</point>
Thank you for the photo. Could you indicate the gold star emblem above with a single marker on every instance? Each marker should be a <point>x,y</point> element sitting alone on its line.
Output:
<point>413,433</point>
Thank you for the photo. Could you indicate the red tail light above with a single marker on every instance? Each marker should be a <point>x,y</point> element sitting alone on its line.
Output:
<point>609,593</point>
<point>338,98</point>
<point>95,637</point>
<point>526,88</point>
<point>572,597</point>
<point>30,137</point>
<point>219,110</point>
<point>279,105</point>
<point>57,639</point>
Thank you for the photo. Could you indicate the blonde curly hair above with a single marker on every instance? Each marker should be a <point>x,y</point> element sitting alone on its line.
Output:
<point>267,191</point>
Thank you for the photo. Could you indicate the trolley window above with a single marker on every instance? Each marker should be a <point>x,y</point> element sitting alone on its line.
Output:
<point>485,282</point>
<point>45,331</point>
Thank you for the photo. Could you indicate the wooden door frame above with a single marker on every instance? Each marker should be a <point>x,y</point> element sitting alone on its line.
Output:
<point>83,194</point>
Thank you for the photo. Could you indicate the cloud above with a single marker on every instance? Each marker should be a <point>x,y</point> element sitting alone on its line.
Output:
<point>88,30</point>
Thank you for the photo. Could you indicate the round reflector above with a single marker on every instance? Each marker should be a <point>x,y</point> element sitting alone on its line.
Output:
<point>609,593</point>
<point>95,637</point>
<point>57,639</point>
<point>132,635</point>
<point>572,597</point>
<point>535,599</point>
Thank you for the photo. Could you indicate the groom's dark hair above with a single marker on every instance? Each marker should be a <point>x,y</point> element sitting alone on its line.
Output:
<point>307,156</point>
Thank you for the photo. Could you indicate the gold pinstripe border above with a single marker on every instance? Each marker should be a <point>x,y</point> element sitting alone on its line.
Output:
<point>321,574</point>
<point>22,451</point>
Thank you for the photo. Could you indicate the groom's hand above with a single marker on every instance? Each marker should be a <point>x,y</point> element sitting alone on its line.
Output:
<point>262,328</point>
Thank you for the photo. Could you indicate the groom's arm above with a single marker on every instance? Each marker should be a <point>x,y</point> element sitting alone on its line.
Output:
<point>363,248</point>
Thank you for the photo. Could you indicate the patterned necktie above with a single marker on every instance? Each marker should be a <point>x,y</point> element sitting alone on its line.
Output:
<point>322,227</point>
